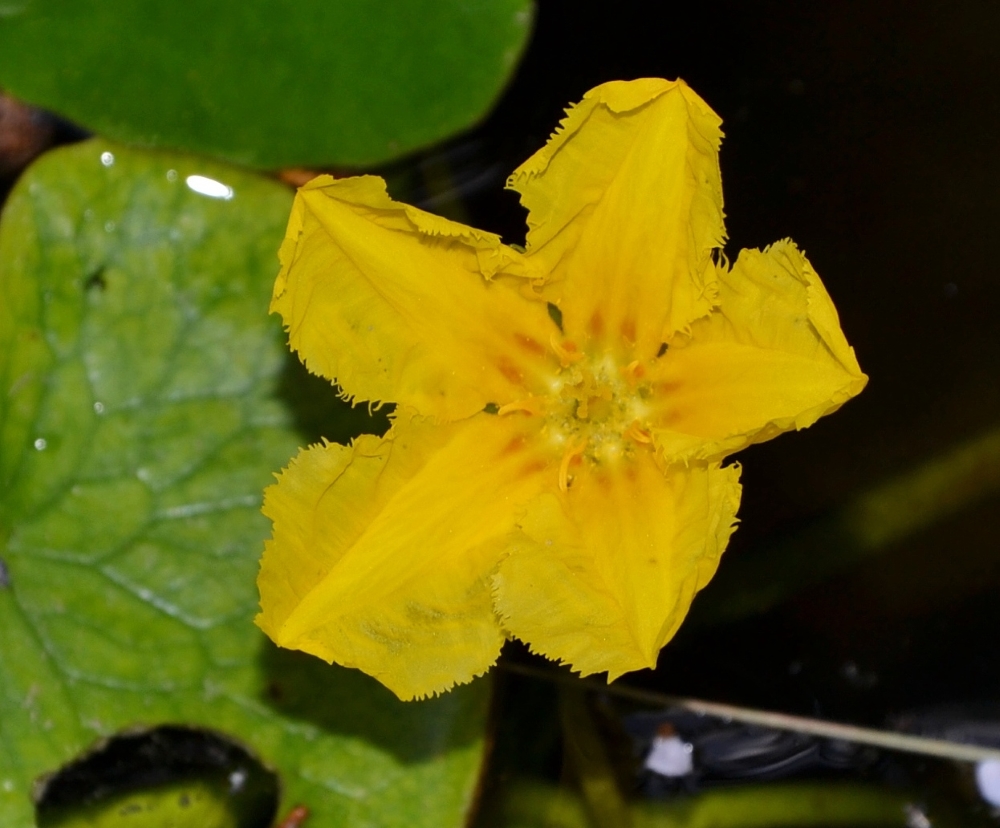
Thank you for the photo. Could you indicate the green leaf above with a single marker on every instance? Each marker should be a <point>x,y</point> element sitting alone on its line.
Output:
<point>145,399</point>
<point>157,777</point>
<point>167,806</point>
<point>777,805</point>
<point>267,84</point>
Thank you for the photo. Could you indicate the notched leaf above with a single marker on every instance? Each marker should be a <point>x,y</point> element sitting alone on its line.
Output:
<point>192,774</point>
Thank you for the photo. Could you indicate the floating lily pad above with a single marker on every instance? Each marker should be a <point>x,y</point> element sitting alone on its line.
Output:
<point>267,84</point>
<point>145,399</point>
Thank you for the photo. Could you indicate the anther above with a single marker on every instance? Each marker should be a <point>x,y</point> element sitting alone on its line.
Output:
<point>638,433</point>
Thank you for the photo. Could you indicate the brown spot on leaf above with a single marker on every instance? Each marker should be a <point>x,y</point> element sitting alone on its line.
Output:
<point>24,134</point>
<point>298,815</point>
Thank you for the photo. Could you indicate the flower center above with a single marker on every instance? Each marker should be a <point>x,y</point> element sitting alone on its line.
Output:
<point>596,413</point>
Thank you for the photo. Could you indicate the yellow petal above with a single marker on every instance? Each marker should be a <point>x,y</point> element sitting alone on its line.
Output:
<point>382,552</point>
<point>625,208</point>
<point>397,304</point>
<point>600,577</point>
<point>769,359</point>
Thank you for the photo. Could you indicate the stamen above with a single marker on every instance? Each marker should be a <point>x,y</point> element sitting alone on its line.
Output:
<point>530,405</point>
<point>634,371</point>
<point>574,450</point>
<point>638,433</point>
<point>567,352</point>
<point>532,290</point>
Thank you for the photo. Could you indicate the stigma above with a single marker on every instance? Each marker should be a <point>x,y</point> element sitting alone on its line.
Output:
<point>593,411</point>
<point>597,411</point>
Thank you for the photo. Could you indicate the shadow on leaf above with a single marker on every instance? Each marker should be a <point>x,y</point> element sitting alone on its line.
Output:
<point>348,702</point>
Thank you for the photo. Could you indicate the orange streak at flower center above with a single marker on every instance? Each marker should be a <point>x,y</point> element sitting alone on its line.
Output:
<point>596,412</point>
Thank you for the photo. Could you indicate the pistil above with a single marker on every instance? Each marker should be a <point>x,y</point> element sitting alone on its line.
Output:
<point>594,411</point>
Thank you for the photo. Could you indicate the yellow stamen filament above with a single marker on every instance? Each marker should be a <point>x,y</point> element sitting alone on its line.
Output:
<point>567,356</point>
<point>638,433</point>
<point>574,450</point>
<point>633,371</point>
<point>530,405</point>
<point>532,290</point>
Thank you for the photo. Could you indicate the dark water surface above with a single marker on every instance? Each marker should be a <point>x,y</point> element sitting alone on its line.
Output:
<point>868,133</point>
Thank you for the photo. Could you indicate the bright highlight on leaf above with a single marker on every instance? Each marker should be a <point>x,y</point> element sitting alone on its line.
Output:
<point>558,483</point>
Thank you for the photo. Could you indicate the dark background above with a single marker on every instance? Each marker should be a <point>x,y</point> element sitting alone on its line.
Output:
<point>868,134</point>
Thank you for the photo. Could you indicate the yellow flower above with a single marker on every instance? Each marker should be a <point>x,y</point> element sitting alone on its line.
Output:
<point>554,468</point>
